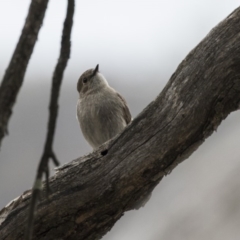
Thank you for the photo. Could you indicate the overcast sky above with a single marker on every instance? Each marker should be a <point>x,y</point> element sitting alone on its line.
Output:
<point>138,45</point>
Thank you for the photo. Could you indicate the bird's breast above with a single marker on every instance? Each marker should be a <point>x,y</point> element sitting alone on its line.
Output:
<point>100,118</point>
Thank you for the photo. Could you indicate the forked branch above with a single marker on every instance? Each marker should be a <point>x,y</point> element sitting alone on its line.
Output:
<point>48,152</point>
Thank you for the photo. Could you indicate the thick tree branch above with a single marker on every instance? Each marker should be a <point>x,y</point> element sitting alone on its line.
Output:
<point>48,152</point>
<point>91,193</point>
<point>13,78</point>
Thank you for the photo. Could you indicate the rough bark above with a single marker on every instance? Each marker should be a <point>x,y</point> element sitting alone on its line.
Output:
<point>13,78</point>
<point>91,193</point>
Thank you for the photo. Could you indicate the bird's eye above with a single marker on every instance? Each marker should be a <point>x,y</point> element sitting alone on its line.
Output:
<point>84,80</point>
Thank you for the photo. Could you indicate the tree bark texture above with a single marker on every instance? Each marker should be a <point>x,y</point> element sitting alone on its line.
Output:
<point>91,193</point>
<point>13,78</point>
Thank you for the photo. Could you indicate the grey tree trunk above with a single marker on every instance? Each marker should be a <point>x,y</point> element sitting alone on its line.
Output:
<point>91,193</point>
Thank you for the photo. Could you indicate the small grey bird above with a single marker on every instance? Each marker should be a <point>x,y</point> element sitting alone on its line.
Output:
<point>101,111</point>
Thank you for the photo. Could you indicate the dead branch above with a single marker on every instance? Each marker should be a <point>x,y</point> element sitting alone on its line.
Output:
<point>13,78</point>
<point>91,193</point>
<point>48,152</point>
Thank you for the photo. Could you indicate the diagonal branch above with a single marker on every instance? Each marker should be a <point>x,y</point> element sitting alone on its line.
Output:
<point>91,193</point>
<point>13,78</point>
<point>48,152</point>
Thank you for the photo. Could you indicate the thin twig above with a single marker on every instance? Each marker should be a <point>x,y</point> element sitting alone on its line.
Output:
<point>13,78</point>
<point>53,112</point>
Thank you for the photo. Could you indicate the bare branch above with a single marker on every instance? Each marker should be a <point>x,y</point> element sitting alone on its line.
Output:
<point>53,113</point>
<point>91,193</point>
<point>13,78</point>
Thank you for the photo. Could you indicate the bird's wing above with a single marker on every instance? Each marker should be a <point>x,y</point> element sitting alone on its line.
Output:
<point>126,113</point>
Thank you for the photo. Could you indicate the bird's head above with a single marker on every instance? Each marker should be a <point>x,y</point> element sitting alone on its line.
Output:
<point>91,80</point>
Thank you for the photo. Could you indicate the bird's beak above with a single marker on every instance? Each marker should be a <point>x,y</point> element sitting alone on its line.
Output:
<point>95,70</point>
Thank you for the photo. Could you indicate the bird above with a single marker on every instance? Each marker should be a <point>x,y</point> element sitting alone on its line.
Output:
<point>101,111</point>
